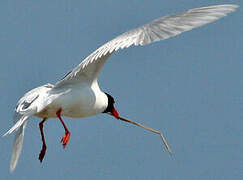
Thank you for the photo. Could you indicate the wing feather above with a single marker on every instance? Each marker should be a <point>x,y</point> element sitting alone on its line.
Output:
<point>156,30</point>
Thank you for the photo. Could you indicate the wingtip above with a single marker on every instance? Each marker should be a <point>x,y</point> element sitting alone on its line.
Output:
<point>234,6</point>
<point>11,169</point>
<point>13,164</point>
<point>7,133</point>
<point>237,6</point>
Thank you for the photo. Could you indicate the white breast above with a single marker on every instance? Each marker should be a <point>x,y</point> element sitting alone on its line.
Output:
<point>77,101</point>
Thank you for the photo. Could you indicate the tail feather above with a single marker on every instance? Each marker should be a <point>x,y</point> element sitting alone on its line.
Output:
<point>17,125</point>
<point>17,146</point>
<point>31,103</point>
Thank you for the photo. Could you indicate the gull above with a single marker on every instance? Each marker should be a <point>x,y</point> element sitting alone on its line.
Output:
<point>78,94</point>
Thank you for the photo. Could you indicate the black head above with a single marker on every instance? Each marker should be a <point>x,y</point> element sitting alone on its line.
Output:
<point>110,108</point>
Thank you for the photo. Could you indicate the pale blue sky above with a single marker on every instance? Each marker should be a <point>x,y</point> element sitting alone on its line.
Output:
<point>189,87</point>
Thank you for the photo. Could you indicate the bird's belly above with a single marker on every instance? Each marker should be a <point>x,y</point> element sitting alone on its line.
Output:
<point>75,104</point>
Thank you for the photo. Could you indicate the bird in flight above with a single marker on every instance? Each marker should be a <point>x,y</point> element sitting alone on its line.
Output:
<point>78,95</point>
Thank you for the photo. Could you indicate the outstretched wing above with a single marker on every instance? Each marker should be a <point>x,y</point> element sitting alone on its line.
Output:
<point>156,30</point>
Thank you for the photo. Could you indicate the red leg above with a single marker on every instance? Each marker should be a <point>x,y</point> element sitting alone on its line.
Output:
<point>65,138</point>
<point>43,150</point>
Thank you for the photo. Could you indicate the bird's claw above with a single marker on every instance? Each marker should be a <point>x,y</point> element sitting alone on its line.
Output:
<point>65,139</point>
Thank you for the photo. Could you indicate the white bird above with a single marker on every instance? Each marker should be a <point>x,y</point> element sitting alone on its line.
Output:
<point>78,94</point>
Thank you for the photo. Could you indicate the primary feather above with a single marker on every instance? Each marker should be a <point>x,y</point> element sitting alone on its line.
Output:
<point>156,30</point>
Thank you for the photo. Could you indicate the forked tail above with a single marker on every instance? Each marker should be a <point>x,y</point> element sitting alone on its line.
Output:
<point>31,103</point>
<point>19,127</point>
<point>17,146</point>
